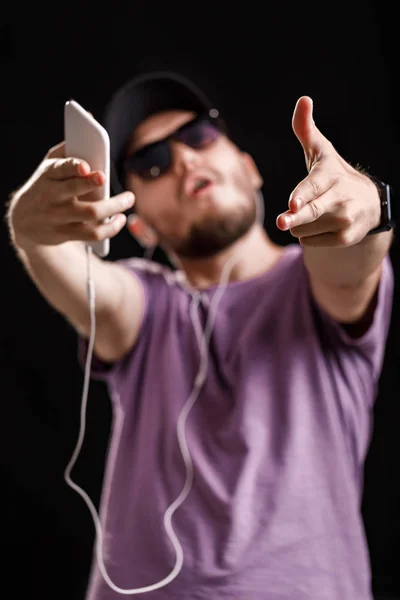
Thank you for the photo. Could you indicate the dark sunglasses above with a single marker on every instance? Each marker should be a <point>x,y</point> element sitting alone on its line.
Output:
<point>155,159</point>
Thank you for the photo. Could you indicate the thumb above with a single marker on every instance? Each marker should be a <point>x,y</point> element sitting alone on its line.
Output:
<point>314,143</point>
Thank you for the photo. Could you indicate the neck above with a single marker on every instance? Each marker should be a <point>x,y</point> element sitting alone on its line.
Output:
<point>250,256</point>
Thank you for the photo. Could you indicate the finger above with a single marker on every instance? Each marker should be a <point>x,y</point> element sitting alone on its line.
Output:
<point>342,229</point>
<point>57,151</point>
<point>62,190</point>
<point>326,240</point>
<point>314,143</point>
<point>87,232</point>
<point>312,211</point>
<point>312,186</point>
<point>326,224</point>
<point>95,212</point>
<point>90,187</point>
<point>66,168</point>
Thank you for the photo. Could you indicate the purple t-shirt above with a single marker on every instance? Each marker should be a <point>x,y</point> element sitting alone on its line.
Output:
<point>278,437</point>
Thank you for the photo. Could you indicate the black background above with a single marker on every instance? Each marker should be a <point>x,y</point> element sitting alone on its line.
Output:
<point>254,61</point>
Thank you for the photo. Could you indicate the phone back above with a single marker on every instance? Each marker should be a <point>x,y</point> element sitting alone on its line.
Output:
<point>85,138</point>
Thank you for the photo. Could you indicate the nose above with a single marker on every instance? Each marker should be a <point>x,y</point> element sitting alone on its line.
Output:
<point>184,158</point>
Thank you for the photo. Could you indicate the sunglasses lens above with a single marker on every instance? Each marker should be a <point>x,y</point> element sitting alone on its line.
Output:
<point>198,133</point>
<point>150,162</point>
<point>155,159</point>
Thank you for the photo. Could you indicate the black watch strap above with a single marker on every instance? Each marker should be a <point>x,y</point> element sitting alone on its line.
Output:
<point>386,196</point>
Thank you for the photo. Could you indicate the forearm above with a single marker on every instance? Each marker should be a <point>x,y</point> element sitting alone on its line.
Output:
<point>347,267</point>
<point>60,274</point>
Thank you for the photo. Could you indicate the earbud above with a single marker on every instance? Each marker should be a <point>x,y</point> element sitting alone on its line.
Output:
<point>133,225</point>
<point>142,232</point>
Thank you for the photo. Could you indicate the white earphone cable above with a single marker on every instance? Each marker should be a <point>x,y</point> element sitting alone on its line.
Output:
<point>203,338</point>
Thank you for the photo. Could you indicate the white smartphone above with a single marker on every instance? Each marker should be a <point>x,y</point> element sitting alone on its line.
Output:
<point>85,138</point>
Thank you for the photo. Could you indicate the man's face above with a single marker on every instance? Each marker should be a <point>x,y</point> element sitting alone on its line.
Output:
<point>206,199</point>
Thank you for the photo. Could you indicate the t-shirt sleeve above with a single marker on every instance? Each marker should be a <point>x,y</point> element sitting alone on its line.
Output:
<point>149,277</point>
<point>370,346</point>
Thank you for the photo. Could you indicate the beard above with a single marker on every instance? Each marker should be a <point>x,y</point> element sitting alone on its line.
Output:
<point>216,233</point>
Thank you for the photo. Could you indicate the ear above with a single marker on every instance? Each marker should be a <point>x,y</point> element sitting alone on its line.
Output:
<point>143,233</point>
<point>252,170</point>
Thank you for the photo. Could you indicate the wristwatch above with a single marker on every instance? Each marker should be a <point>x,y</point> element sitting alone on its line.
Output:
<point>386,196</point>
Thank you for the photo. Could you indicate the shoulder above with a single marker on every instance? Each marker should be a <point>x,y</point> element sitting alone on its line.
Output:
<point>149,271</point>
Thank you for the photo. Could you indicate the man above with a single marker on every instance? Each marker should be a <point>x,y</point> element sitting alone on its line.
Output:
<point>242,380</point>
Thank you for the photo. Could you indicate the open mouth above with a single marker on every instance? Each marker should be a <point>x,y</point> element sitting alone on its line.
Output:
<point>201,185</point>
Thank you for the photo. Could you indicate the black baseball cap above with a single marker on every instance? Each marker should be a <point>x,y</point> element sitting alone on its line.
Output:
<point>143,96</point>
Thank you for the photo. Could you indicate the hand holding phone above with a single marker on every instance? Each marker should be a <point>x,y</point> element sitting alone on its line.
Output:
<point>85,138</point>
